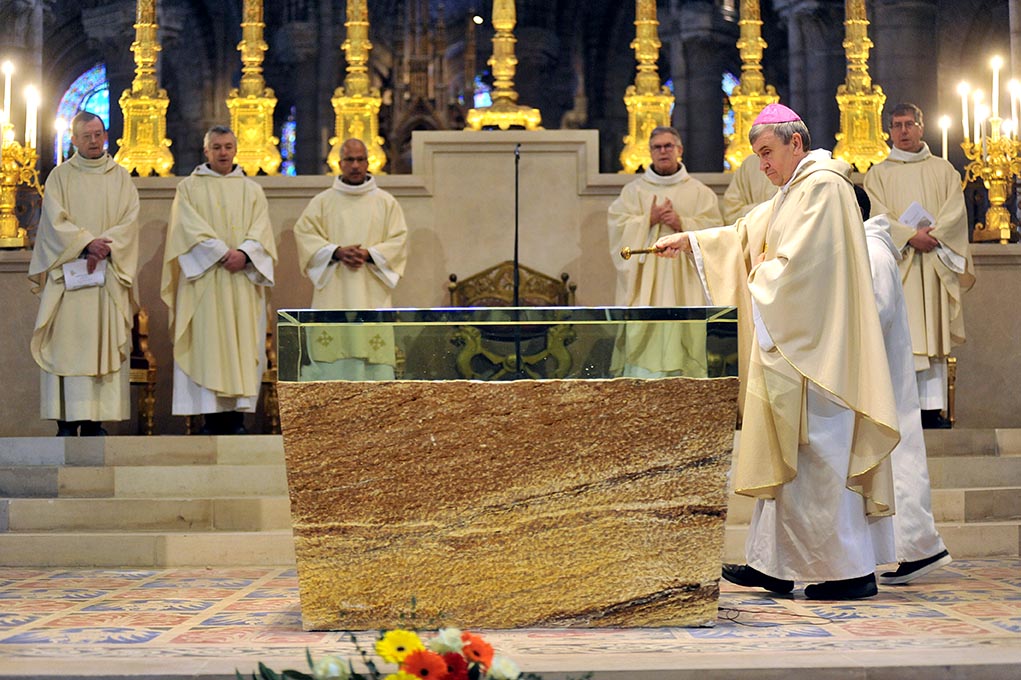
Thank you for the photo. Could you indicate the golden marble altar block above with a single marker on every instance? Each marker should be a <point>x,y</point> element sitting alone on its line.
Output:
<point>555,503</point>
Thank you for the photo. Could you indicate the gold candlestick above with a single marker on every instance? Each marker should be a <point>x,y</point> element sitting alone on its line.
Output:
<point>648,103</point>
<point>752,94</point>
<point>357,103</point>
<point>861,141</point>
<point>17,167</point>
<point>505,112</point>
<point>251,105</point>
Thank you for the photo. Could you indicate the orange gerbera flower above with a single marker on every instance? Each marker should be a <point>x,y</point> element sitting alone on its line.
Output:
<point>424,664</point>
<point>476,649</point>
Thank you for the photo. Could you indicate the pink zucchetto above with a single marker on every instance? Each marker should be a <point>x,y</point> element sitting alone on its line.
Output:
<point>776,113</point>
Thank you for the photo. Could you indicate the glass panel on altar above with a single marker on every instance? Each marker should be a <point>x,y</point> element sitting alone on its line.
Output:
<point>503,343</point>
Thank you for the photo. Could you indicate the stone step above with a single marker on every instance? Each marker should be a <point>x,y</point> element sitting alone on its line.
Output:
<point>963,540</point>
<point>151,481</point>
<point>141,451</point>
<point>977,504</point>
<point>163,514</point>
<point>147,549</point>
<point>956,472</point>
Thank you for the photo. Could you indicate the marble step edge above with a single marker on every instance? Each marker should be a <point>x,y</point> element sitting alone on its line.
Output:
<point>147,549</point>
<point>141,451</point>
<point>224,513</point>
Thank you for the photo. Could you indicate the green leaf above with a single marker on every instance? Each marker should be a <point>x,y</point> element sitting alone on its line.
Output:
<point>308,657</point>
<point>267,673</point>
<point>297,675</point>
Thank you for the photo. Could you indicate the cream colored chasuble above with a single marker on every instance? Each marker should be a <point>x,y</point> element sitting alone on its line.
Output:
<point>82,338</point>
<point>346,215</point>
<point>649,281</point>
<point>218,318</point>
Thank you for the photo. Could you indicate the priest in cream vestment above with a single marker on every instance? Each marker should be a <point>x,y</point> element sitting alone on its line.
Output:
<point>937,268</point>
<point>820,418</point>
<point>85,261</point>
<point>352,244</point>
<point>663,200</point>
<point>748,187</point>
<point>217,268</point>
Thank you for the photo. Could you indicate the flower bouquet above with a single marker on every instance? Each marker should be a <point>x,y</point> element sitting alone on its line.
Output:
<point>450,655</point>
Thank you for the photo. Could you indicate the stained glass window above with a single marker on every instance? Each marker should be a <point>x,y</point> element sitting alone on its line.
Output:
<point>288,137</point>
<point>730,81</point>
<point>90,92</point>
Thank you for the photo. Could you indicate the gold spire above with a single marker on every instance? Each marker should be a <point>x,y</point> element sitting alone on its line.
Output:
<point>144,147</point>
<point>504,112</point>
<point>356,104</point>
<point>648,104</point>
<point>251,105</point>
<point>752,94</point>
<point>861,140</point>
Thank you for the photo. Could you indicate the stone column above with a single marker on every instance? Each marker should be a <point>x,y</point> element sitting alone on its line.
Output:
<point>706,41</point>
<point>110,29</point>
<point>1015,39</point>
<point>294,49</point>
<point>905,33</point>
<point>815,36</point>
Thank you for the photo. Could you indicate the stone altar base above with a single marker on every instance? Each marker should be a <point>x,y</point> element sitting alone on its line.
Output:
<point>581,503</point>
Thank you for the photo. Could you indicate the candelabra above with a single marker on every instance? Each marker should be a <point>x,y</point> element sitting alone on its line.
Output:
<point>752,94</point>
<point>648,103</point>
<point>994,152</point>
<point>18,167</point>
<point>357,104</point>
<point>504,112</point>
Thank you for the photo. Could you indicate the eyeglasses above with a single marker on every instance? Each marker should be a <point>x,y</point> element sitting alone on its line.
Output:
<point>355,159</point>
<point>904,125</point>
<point>663,147</point>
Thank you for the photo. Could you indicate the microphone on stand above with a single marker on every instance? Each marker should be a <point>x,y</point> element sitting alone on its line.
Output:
<point>517,273</point>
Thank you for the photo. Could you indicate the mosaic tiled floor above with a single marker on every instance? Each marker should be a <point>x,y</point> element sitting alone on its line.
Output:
<point>205,623</point>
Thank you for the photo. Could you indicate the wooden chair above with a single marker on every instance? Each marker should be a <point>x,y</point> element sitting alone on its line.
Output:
<point>484,350</point>
<point>143,371</point>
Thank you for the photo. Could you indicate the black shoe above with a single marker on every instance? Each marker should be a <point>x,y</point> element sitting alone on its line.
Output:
<point>932,419</point>
<point>845,589</point>
<point>67,429</point>
<point>91,428</point>
<point>909,571</point>
<point>234,423</point>
<point>743,575</point>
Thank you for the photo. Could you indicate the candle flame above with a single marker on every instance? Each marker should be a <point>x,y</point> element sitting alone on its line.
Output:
<point>944,122</point>
<point>996,62</point>
<point>963,88</point>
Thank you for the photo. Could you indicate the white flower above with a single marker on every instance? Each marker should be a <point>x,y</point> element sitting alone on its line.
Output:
<point>446,640</point>
<point>503,668</point>
<point>331,668</point>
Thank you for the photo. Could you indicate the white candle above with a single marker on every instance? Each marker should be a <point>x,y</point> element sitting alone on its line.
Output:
<point>996,63</point>
<point>977,98</point>
<point>61,126</point>
<point>8,69</point>
<point>981,113</point>
<point>944,125</point>
<point>1012,88</point>
<point>31,116</point>
<point>963,89</point>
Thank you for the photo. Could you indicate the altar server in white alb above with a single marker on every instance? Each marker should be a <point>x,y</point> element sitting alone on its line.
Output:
<point>922,198</point>
<point>85,260</point>
<point>663,200</point>
<point>820,419</point>
<point>353,244</point>
<point>920,548</point>
<point>217,269</point>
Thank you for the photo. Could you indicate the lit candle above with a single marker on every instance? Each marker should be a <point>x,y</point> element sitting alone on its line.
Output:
<point>8,69</point>
<point>31,115</point>
<point>1012,89</point>
<point>944,125</point>
<point>963,89</point>
<point>996,63</point>
<point>61,127</point>
<point>977,98</point>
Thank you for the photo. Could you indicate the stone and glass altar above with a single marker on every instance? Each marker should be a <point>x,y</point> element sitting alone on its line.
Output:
<point>581,500</point>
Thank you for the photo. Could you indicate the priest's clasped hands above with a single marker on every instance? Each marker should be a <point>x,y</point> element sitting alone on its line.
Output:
<point>234,261</point>
<point>98,249</point>
<point>352,256</point>
<point>664,213</point>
